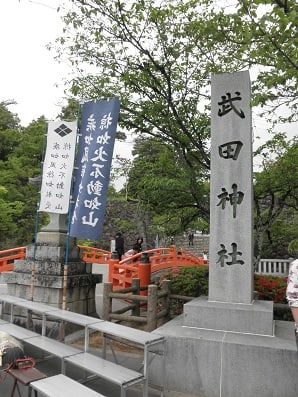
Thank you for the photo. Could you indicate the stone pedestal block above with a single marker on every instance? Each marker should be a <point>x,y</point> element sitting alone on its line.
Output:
<point>48,252</point>
<point>44,265</point>
<point>211,363</point>
<point>256,318</point>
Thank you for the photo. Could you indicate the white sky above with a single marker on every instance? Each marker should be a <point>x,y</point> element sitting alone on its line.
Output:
<point>30,75</point>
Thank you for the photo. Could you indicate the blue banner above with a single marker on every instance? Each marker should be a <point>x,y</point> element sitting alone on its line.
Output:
<point>96,145</point>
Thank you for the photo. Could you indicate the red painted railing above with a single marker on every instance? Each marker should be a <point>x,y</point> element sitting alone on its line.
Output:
<point>122,272</point>
<point>94,255</point>
<point>7,258</point>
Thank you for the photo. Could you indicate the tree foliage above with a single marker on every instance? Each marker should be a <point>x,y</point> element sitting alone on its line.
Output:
<point>21,155</point>
<point>268,31</point>
<point>8,120</point>
<point>158,57</point>
<point>177,195</point>
<point>276,192</point>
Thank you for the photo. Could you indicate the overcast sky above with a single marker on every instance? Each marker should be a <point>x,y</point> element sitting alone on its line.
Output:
<point>29,75</point>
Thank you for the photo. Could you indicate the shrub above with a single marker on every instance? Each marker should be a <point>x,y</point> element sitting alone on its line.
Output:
<point>271,288</point>
<point>188,281</point>
<point>193,282</point>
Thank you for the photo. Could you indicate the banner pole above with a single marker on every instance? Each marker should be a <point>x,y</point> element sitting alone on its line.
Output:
<point>36,225</point>
<point>65,270</point>
<point>34,255</point>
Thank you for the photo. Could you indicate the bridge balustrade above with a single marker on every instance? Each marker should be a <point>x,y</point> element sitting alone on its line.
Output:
<point>7,258</point>
<point>274,267</point>
<point>121,273</point>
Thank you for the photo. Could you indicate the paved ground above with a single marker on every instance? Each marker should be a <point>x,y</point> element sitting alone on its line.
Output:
<point>52,367</point>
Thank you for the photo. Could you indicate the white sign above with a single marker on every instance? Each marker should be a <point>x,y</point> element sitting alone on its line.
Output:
<point>58,167</point>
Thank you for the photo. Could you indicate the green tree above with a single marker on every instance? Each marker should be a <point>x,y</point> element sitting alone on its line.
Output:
<point>276,189</point>
<point>175,194</point>
<point>70,111</point>
<point>19,199</point>
<point>268,29</point>
<point>283,230</point>
<point>9,130</point>
<point>8,120</point>
<point>158,58</point>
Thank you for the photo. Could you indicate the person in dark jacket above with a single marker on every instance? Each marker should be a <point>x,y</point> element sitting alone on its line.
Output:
<point>119,245</point>
<point>139,243</point>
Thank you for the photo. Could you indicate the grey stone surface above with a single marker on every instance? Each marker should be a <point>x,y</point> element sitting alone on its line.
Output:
<point>41,276</point>
<point>256,318</point>
<point>228,364</point>
<point>231,221</point>
<point>51,252</point>
<point>228,345</point>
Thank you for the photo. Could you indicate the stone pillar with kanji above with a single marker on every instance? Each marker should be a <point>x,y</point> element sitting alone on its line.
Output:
<point>231,208</point>
<point>230,305</point>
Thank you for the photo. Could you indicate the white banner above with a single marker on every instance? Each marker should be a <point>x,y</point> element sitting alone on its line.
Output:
<point>58,167</point>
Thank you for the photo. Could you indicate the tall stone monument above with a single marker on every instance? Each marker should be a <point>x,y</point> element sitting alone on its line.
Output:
<point>231,197</point>
<point>227,344</point>
<point>231,305</point>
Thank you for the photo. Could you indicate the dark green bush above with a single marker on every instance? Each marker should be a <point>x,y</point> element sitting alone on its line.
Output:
<point>188,281</point>
<point>193,282</point>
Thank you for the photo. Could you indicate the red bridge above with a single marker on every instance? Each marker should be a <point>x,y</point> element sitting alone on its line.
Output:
<point>7,258</point>
<point>141,265</point>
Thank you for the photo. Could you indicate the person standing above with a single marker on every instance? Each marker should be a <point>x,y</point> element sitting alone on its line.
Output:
<point>119,245</point>
<point>190,238</point>
<point>139,243</point>
<point>292,294</point>
<point>130,253</point>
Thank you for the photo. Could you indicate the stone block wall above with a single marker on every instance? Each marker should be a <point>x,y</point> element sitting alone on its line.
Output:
<point>200,243</point>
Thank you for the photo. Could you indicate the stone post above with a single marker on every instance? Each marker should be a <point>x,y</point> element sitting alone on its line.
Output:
<point>152,308</point>
<point>230,305</point>
<point>231,216</point>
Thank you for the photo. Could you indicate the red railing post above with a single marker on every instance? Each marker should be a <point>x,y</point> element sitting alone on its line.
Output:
<point>114,260</point>
<point>144,272</point>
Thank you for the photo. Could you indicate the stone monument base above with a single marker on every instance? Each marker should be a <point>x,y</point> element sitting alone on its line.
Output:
<point>44,264</point>
<point>213,363</point>
<point>255,318</point>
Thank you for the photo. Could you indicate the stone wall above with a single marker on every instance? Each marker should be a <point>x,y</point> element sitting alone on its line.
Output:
<point>126,217</point>
<point>200,243</point>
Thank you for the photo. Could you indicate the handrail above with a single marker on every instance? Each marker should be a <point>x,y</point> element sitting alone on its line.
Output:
<point>159,259</point>
<point>7,258</point>
<point>274,267</point>
<point>94,255</point>
<point>122,272</point>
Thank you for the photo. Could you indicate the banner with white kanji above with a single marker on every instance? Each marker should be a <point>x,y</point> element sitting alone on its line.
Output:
<point>58,167</point>
<point>96,145</point>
